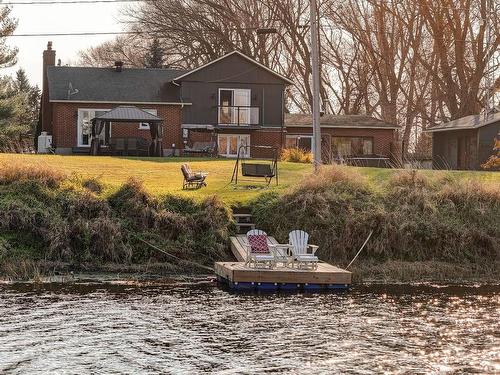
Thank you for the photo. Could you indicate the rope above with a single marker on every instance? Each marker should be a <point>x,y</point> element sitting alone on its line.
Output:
<point>171,255</point>
<point>362,247</point>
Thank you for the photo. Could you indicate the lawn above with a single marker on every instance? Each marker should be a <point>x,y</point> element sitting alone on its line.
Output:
<point>163,175</point>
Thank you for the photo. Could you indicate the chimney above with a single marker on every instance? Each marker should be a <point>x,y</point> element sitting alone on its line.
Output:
<point>118,66</point>
<point>49,59</point>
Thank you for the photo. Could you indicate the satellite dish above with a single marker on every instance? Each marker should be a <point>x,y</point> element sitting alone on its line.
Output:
<point>71,90</point>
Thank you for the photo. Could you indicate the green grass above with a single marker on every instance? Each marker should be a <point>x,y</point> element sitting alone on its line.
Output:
<point>162,175</point>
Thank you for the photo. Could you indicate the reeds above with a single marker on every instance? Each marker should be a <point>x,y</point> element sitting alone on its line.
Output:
<point>414,217</point>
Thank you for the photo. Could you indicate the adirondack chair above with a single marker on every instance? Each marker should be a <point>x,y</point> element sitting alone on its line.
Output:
<point>298,239</point>
<point>259,253</point>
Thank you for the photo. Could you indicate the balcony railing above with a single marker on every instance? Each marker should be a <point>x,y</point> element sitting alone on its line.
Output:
<point>238,115</point>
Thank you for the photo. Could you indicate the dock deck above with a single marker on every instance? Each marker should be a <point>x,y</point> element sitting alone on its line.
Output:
<point>239,276</point>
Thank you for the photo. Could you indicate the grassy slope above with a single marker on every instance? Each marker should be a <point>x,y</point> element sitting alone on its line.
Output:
<point>162,176</point>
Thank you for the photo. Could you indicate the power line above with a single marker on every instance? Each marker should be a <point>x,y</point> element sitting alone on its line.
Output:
<point>51,2</point>
<point>82,33</point>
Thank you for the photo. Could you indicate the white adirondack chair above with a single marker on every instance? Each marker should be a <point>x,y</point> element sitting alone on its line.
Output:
<point>259,259</point>
<point>298,239</point>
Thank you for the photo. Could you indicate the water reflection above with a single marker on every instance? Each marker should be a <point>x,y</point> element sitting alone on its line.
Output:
<point>191,329</point>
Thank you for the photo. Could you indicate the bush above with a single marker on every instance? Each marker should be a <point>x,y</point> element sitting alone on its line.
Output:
<point>413,217</point>
<point>70,223</point>
<point>14,172</point>
<point>296,155</point>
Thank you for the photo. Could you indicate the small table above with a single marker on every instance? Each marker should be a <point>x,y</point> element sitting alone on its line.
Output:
<point>282,253</point>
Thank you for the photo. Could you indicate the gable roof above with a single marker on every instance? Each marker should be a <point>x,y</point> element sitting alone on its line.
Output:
<point>131,85</point>
<point>467,122</point>
<point>337,121</point>
<point>186,74</point>
<point>128,113</point>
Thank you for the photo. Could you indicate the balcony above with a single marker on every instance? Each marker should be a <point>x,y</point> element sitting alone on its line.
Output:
<point>238,115</point>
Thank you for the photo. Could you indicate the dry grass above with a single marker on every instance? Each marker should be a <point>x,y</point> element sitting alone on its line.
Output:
<point>296,155</point>
<point>414,217</point>
<point>16,170</point>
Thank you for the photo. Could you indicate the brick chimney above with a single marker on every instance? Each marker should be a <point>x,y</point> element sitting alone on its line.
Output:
<point>49,59</point>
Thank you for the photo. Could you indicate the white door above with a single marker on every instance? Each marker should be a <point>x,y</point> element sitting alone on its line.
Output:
<point>234,106</point>
<point>242,106</point>
<point>229,144</point>
<point>84,126</point>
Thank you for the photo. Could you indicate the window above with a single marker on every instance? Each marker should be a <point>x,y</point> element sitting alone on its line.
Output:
<point>84,127</point>
<point>229,144</point>
<point>303,142</point>
<point>234,106</point>
<point>145,125</point>
<point>352,146</point>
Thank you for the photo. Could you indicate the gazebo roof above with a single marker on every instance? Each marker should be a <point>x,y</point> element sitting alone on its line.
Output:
<point>128,113</point>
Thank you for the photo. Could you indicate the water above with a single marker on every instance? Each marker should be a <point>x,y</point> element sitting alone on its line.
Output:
<point>98,328</point>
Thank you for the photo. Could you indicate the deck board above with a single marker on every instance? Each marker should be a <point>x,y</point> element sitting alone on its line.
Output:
<point>324,274</point>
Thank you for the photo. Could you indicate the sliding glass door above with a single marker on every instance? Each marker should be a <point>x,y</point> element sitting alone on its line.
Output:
<point>230,143</point>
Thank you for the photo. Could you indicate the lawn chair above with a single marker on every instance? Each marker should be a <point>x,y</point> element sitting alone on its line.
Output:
<point>298,239</point>
<point>191,179</point>
<point>258,251</point>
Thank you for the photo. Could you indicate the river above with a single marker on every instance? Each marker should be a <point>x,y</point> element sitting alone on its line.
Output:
<point>189,328</point>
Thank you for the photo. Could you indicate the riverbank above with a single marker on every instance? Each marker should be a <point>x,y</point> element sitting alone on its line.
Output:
<point>424,228</point>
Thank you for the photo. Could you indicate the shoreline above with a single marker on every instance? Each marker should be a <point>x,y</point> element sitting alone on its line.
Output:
<point>364,272</point>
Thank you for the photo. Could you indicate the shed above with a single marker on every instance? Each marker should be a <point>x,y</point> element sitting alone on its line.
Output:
<point>464,143</point>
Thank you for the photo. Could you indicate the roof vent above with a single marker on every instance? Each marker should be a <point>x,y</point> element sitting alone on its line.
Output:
<point>118,66</point>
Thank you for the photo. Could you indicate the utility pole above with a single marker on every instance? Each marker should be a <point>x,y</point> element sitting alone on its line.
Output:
<point>315,85</point>
<point>489,80</point>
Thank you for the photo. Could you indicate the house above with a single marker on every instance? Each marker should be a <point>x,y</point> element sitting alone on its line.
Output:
<point>231,101</point>
<point>355,139</point>
<point>464,143</point>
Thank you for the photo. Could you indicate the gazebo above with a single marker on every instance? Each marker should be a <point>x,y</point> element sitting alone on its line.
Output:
<point>128,114</point>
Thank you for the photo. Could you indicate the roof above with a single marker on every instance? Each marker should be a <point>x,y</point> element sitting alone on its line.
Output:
<point>128,113</point>
<point>338,121</point>
<point>181,76</point>
<point>467,122</point>
<point>131,85</point>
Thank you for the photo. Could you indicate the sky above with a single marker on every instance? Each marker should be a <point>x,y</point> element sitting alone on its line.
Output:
<point>60,18</point>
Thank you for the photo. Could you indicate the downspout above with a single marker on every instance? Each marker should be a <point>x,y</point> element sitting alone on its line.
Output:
<point>282,119</point>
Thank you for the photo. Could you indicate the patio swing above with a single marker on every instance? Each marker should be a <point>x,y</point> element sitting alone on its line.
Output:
<point>266,168</point>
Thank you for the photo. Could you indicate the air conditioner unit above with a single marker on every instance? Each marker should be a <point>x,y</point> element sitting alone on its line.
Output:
<point>44,143</point>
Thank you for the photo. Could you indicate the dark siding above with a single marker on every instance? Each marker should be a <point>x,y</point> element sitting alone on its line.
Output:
<point>235,69</point>
<point>202,90</point>
<point>487,135</point>
<point>455,149</point>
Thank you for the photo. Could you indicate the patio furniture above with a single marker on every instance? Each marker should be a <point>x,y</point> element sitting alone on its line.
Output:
<point>136,146</point>
<point>258,251</point>
<point>282,254</point>
<point>303,253</point>
<point>192,179</point>
<point>200,148</point>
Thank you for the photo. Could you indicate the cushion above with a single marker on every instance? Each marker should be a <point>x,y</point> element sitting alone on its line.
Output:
<point>258,243</point>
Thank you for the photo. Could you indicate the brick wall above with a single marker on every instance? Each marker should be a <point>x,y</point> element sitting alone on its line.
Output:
<point>383,139</point>
<point>65,118</point>
<point>265,137</point>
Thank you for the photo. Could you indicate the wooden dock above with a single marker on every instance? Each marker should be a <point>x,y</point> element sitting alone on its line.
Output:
<point>241,277</point>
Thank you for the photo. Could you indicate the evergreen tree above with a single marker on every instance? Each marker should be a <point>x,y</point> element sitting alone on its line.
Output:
<point>154,57</point>
<point>7,27</point>
<point>22,82</point>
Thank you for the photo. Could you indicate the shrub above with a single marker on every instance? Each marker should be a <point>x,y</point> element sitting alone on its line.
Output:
<point>413,218</point>
<point>12,172</point>
<point>93,184</point>
<point>296,155</point>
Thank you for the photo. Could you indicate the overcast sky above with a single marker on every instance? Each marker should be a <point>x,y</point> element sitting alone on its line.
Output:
<point>60,18</point>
